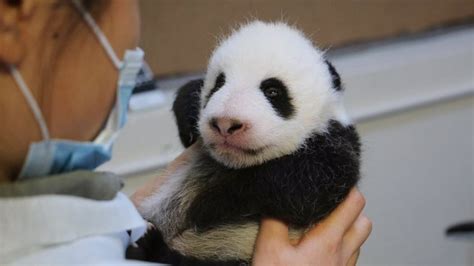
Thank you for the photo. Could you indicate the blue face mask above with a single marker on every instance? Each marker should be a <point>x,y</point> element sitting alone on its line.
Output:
<point>53,156</point>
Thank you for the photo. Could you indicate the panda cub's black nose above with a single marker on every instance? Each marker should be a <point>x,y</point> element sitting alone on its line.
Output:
<point>226,126</point>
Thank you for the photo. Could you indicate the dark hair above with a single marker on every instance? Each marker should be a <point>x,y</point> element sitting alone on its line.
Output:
<point>88,4</point>
<point>95,6</point>
<point>13,2</point>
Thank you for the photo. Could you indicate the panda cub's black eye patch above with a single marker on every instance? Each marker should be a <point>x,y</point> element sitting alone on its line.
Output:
<point>277,94</point>
<point>220,81</point>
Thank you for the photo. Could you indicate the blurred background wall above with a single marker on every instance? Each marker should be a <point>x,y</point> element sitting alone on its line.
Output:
<point>408,68</point>
<point>179,35</point>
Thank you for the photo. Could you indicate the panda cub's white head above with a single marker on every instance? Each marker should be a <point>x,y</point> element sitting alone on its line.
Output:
<point>267,89</point>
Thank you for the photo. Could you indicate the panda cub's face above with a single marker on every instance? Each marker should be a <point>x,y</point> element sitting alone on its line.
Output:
<point>267,89</point>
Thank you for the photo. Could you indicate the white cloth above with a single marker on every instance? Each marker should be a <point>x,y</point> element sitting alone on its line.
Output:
<point>64,230</point>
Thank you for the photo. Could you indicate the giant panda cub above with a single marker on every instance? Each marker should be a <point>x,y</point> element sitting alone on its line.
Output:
<point>272,140</point>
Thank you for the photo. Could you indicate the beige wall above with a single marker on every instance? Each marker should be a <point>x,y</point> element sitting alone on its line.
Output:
<point>178,35</point>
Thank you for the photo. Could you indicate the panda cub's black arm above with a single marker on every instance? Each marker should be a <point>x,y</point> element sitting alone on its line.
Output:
<point>186,108</point>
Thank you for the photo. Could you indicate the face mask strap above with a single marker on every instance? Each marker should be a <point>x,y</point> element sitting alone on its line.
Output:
<point>31,102</point>
<point>98,33</point>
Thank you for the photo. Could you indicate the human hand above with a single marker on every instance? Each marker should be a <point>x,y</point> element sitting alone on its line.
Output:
<point>334,241</point>
<point>153,185</point>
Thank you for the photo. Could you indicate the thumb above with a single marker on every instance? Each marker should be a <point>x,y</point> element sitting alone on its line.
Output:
<point>272,232</point>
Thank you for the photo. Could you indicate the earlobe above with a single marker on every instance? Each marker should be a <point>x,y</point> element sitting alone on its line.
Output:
<point>11,48</point>
<point>12,14</point>
<point>27,8</point>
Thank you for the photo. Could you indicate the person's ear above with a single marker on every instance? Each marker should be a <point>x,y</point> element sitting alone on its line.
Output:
<point>13,15</point>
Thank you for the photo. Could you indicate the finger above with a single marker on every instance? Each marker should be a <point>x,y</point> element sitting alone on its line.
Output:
<point>182,159</point>
<point>152,186</point>
<point>357,235</point>
<point>148,189</point>
<point>340,220</point>
<point>353,259</point>
<point>347,212</point>
<point>273,232</point>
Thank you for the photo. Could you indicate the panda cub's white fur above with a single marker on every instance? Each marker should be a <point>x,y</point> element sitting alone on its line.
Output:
<point>255,52</point>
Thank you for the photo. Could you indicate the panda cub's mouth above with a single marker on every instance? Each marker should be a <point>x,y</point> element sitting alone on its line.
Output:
<point>229,147</point>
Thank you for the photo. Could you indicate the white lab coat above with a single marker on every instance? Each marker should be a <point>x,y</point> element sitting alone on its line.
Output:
<point>65,230</point>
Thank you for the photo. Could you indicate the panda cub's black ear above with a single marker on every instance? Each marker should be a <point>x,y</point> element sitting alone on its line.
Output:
<point>336,79</point>
<point>186,108</point>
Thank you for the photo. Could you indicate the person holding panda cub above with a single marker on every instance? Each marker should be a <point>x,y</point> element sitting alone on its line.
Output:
<point>67,69</point>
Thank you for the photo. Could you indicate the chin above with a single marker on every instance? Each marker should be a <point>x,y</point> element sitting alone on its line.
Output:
<point>237,158</point>
<point>234,156</point>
